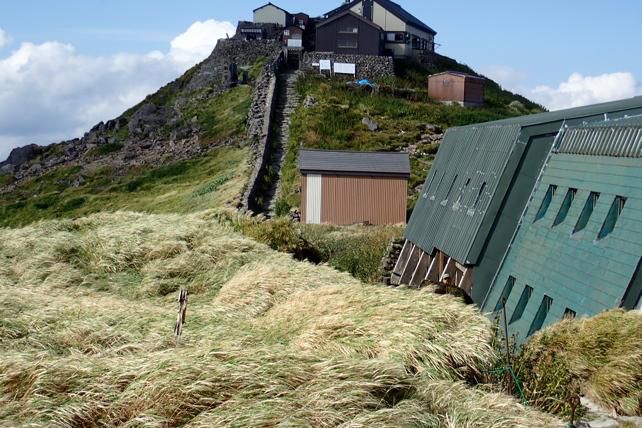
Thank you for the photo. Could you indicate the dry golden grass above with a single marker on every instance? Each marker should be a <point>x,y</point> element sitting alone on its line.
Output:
<point>601,355</point>
<point>87,309</point>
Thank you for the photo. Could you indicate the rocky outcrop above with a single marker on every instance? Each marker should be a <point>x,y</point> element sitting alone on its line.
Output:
<point>20,156</point>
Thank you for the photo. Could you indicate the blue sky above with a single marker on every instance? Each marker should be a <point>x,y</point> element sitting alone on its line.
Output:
<point>561,53</point>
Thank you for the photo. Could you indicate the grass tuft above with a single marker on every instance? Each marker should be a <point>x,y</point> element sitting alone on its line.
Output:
<point>601,355</point>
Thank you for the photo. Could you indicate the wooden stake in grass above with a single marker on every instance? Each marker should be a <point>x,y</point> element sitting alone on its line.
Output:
<point>182,313</point>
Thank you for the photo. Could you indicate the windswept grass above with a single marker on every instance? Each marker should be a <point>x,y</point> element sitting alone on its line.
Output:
<point>88,308</point>
<point>601,356</point>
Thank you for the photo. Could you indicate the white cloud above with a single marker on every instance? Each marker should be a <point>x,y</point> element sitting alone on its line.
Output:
<point>581,90</point>
<point>4,38</point>
<point>506,76</point>
<point>196,43</point>
<point>50,92</point>
<point>578,90</point>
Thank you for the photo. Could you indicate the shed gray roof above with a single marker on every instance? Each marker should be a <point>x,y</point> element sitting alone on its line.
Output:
<point>363,163</point>
<point>457,73</point>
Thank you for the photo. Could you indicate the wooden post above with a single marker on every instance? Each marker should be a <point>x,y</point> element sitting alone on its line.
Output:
<point>182,314</point>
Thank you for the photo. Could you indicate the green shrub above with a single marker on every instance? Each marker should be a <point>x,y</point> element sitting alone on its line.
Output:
<point>358,250</point>
<point>282,208</point>
<point>212,186</point>
<point>104,150</point>
<point>73,204</point>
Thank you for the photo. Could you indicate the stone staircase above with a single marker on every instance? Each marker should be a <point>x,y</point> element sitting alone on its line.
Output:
<point>286,102</point>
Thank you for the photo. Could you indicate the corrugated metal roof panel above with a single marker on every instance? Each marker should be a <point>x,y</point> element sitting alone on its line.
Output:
<point>630,104</point>
<point>619,138</point>
<point>460,187</point>
<point>375,163</point>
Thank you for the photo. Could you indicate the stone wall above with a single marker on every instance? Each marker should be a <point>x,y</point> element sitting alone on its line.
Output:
<point>368,66</point>
<point>259,121</point>
<point>390,259</point>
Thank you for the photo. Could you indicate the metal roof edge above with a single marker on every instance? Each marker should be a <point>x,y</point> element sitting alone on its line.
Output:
<point>569,114</point>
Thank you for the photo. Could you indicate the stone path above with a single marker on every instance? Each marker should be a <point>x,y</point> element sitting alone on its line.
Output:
<point>287,101</point>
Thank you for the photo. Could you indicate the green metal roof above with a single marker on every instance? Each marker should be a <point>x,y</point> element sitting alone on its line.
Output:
<point>458,191</point>
<point>575,268</point>
<point>609,108</point>
<point>621,138</point>
<point>491,153</point>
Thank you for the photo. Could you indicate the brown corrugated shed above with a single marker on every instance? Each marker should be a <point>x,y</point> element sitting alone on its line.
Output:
<point>354,187</point>
<point>455,87</point>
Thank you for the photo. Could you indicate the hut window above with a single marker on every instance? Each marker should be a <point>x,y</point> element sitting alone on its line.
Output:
<point>612,217</point>
<point>463,190</point>
<point>633,293</point>
<point>396,37</point>
<point>480,194</point>
<point>452,185</point>
<point>541,315</point>
<point>432,178</point>
<point>545,203</point>
<point>569,314</point>
<point>508,288</point>
<point>347,44</point>
<point>566,206</point>
<point>587,211</point>
<point>521,305</point>
<point>348,30</point>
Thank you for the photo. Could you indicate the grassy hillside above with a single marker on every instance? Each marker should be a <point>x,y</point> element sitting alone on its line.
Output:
<point>334,121</point>
<point>211,181</point>
<point>88,308</point>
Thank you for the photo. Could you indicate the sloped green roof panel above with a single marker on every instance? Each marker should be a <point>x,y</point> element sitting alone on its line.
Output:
<point>621,138</point>
<point>460,187</point>
<point>577,269</point>
<point>614,109</point>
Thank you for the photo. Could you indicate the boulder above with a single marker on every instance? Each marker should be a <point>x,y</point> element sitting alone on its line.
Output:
<point>309,102</point>
<point>370,123</point>
<point>22,155</point>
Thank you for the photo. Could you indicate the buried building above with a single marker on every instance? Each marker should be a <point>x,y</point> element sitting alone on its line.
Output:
<point>542,212</point>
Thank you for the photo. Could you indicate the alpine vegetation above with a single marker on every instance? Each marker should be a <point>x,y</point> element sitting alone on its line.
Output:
<point>88,308</point>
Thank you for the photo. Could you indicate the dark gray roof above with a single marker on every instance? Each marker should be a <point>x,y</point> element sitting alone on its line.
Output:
<point>393,8</point>
<point>271,4</point>
<point>350,13</point>
<point>367,163</point>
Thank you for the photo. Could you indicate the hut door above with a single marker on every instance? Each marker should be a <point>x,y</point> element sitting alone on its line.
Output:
<point>313,199</point>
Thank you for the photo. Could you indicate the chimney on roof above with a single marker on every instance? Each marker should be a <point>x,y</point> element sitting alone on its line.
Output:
<point>368,9</point>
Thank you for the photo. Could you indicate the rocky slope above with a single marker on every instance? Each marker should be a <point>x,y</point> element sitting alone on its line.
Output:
<point>178,122</point>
